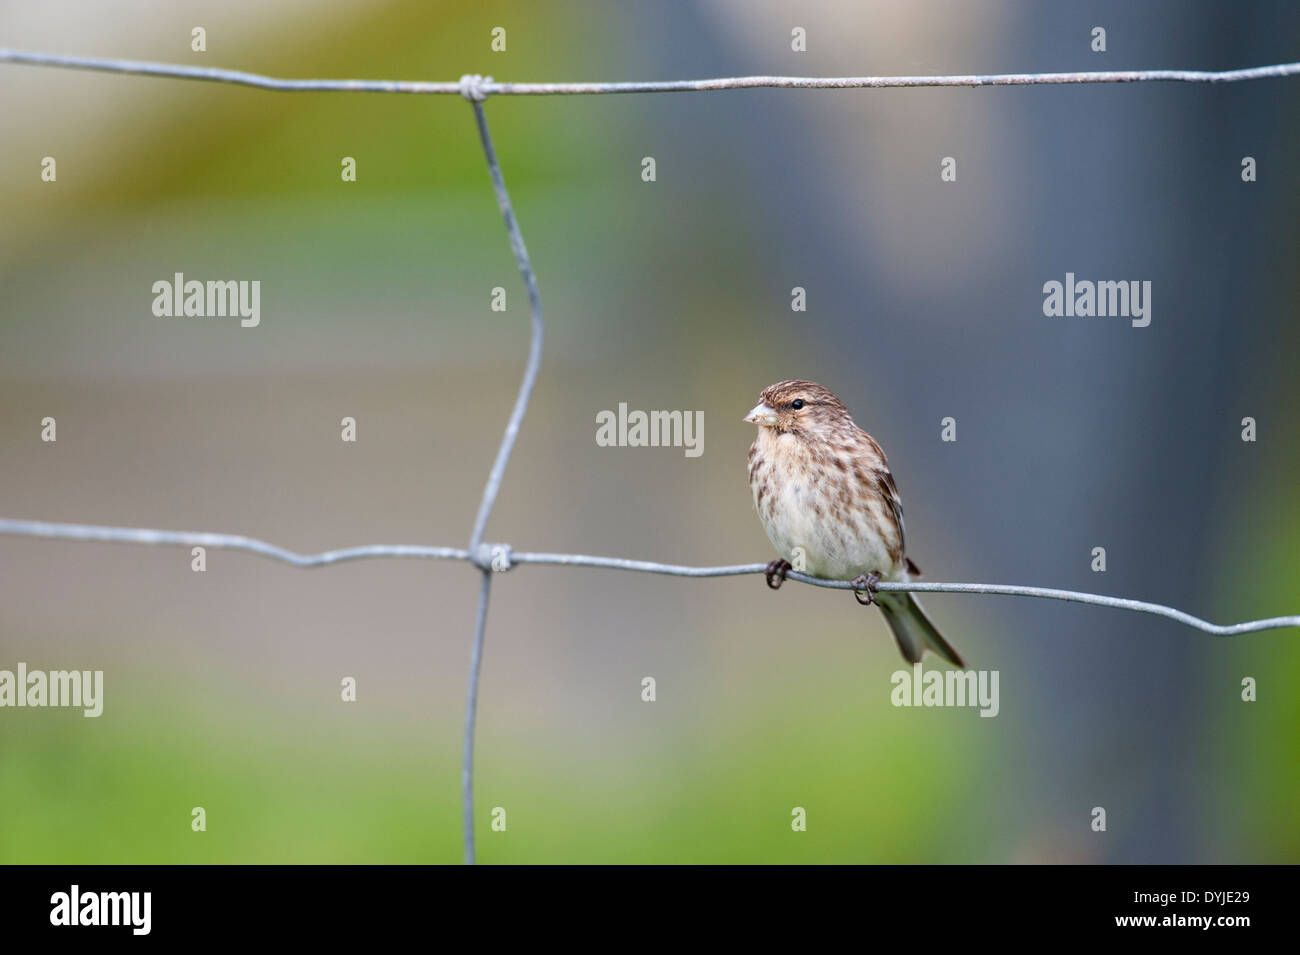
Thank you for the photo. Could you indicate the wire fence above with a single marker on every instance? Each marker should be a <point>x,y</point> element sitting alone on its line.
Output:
<point>494,558</point>
<point>481,87</point>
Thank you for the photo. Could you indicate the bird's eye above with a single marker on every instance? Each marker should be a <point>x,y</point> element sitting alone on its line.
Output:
<point>796,404</point>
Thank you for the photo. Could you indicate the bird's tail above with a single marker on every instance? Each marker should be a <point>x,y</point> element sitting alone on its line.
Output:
<point>913,630</point>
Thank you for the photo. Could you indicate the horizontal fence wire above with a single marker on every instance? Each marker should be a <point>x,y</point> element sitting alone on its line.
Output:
<point>492,558</point>
<point>486,86</point>
<point>509,559</point>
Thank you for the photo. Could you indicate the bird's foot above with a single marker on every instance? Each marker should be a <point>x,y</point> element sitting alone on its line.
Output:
<point>865,583</point>
<point>776,572</point>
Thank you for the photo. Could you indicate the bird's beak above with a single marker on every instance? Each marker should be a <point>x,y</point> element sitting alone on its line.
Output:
<point>762,415</point>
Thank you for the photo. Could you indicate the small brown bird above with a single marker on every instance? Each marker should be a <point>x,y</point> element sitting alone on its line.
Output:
<point>828,502</point>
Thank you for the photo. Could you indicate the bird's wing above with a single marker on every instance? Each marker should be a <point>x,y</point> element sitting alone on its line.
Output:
<point>889,491</point>
<point>878,471</point>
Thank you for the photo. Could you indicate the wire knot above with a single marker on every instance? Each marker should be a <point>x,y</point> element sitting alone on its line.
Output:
<point>471,87</point>
<point>494,557</point>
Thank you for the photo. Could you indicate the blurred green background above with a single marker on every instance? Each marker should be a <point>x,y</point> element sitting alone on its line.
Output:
<point>222,688</point>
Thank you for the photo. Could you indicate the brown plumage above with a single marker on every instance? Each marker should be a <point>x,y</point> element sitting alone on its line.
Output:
<point>831,508</point>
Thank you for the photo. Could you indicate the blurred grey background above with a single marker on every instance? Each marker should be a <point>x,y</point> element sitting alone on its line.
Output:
<point>924,301</point>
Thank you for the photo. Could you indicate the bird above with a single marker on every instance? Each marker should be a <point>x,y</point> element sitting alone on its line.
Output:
<point>828,502</point>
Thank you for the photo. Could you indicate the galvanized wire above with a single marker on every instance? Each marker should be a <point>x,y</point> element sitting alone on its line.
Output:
<point>492,88</point>
<point>515,558</point>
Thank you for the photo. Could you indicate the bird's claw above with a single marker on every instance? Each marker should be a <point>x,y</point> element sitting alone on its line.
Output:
<point>865,583</point>
<point>776,572</point>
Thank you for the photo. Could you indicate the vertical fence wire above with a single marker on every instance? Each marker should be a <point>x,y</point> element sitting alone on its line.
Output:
<point>471,715</point>
<point>478,553</point>
<point>535,346</point>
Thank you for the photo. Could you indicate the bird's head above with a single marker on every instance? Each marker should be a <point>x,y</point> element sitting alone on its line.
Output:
<point>798,407</point>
